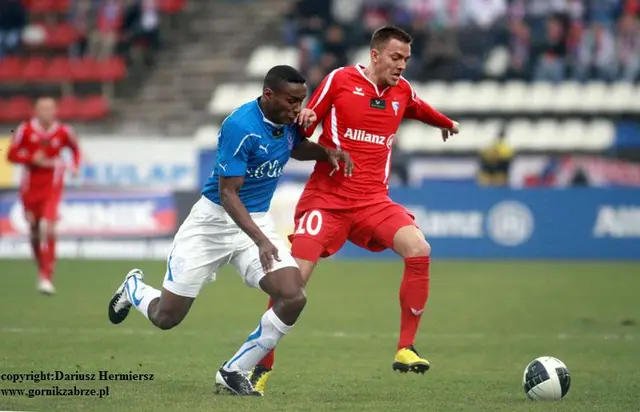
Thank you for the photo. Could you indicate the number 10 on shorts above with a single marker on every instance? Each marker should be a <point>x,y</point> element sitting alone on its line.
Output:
<point>310,222</point>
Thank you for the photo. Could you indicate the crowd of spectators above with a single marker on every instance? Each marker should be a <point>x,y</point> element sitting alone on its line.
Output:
<point>545,40</point>
<point>100,28</point>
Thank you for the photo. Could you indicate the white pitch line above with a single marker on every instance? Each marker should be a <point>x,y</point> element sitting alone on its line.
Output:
<point>326,334</point>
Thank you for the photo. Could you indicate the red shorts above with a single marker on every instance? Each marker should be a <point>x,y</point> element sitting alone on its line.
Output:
<point>322,227</point>
<point>42,207</point>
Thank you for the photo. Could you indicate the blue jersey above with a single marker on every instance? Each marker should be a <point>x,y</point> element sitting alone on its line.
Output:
<point>250,145</point>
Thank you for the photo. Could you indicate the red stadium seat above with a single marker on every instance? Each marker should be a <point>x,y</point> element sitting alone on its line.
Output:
<point>59,70</point>
<point>41,6</point>
<point>34,70</point>
<point>85,70</point>
<point>10,69</point>
<point>61,36</point>
<point>171,6</point>
<point>93,108</point>
<point>112,70</point>
<point>17,109</point>
<point>62,6</point>
<point>68,108</point>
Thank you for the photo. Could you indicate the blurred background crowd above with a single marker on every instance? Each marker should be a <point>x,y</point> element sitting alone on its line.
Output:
<point>86,28</point>
<point>543,40</point>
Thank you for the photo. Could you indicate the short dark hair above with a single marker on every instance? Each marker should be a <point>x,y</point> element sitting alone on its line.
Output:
<point>282,74</point>
<point>381,37</point>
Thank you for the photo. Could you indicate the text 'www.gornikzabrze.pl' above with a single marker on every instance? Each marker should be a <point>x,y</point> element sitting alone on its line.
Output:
<point>56,391</point>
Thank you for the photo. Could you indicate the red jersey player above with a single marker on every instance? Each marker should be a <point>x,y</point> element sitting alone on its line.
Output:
<point>37,145</point>
<point>361,109</point>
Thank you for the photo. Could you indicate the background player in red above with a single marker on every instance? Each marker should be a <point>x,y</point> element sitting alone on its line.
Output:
<point>361,109</point>
<point>37,145</point>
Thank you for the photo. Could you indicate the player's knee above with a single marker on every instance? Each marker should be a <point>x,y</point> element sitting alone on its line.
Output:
<point>49,230</point>
<point>295,301</point>
<point>417,249</point>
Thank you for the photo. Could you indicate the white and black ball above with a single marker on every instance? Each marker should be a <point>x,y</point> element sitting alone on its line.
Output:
<point>546,379</point>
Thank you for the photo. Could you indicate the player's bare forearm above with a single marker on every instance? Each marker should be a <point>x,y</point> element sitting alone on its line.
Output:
<point>308,150</point>
<point>230,200</point>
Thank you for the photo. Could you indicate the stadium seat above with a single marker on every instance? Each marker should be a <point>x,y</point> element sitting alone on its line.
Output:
<point>92,108</point>
<point>62,6</point>
<point>599,135</point>
<point>414,136</point>
<point>227,97</point>
<point>567,97</point>
<point>571,135</point>
<point>10,69</point>
<point>593,97</point>
<point>85,70</point>
<point>620,97</point>
<point>265,57</point>
<point>207,136</point>
<point>483,95</point>
<point>61,36</point>
<point>512,97</point>
<point>59,70</point>
<point>171,6</point>
<point>539,97</point>
<point>68,107</point>
<point>360,56</point>
<point>34,70</point>
<point>112,70</point>
<point>16,109</point>
<point>41,6</point>
<point>519,133</point>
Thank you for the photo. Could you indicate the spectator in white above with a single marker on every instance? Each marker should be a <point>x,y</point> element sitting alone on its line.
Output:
<point>485,13</point>
<point>597,52</point>
<point>13,18</point>
<point>82,19</point>
<point>628,47</point>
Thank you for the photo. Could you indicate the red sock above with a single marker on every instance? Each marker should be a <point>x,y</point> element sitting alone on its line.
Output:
<point>48,257</point>
<point>269,358</point>
<point>414,291</point>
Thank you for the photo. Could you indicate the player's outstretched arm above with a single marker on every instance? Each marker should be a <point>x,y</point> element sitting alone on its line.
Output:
<point>230,200</point>
<point>308,150</point>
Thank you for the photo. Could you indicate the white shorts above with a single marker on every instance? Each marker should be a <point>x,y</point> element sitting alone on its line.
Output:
<point>208,239</point>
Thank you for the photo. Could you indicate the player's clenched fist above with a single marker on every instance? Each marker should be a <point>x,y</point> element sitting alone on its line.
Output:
<point>335,157</point>
<point>307,117</point>
<point>268,252</point>
<point>450,132</point>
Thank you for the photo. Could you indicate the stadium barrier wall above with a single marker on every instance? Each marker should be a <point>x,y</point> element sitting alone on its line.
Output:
<point>460,221</point>
<point>467,222</point>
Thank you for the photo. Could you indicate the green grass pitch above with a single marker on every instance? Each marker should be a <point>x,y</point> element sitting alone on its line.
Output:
<point>485,321</point>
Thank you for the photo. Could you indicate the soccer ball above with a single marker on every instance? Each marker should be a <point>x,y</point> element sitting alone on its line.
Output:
<point>546,379</point>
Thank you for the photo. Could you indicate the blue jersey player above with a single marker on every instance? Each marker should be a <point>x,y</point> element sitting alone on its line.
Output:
<point>230,224</point>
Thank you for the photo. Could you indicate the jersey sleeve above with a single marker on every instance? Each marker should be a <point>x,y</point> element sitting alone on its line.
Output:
<point>18,150</point>
<point>235,145</point>
<point>418,109</point>
<point>322,100</point>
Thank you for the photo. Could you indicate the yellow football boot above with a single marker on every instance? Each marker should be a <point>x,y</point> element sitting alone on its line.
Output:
<point>259,377</point>
<point>408,360</point>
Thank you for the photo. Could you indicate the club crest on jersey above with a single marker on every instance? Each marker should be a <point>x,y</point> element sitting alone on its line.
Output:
<point>396,106</point>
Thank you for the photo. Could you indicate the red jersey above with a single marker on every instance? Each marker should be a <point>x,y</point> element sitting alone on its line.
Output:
<point>30,138</point>
<point>362,119</point>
